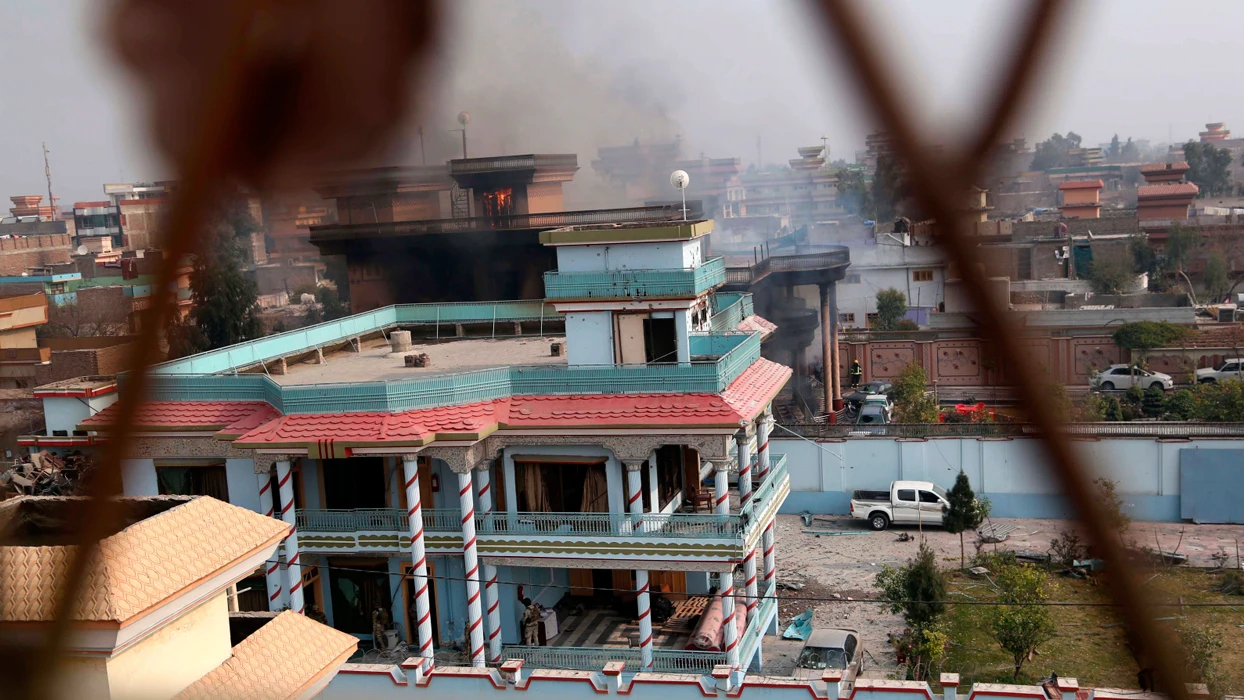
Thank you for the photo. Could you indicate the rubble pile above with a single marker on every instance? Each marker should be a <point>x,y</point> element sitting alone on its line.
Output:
<point>44,474</point>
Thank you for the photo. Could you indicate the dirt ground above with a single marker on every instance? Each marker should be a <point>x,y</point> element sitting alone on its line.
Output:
<point>845,566</point>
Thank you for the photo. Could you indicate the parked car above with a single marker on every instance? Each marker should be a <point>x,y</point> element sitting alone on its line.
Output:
<point>856,398</point>
<point>829,649</point>
<point>875,410</point>
<point>905,502</point>
<point>1229,369</point>
<point>1127,376</point>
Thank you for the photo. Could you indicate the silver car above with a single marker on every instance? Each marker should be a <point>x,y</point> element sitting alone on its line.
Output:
<point>831,649</point>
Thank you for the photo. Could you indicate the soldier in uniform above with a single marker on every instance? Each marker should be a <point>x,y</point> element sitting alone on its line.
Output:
<point>531,623</point>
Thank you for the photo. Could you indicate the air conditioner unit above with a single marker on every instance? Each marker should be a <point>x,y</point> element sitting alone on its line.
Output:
<point>1226,313</point>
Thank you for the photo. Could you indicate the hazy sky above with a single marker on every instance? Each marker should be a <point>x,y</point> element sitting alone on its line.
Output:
<point>570,75</point>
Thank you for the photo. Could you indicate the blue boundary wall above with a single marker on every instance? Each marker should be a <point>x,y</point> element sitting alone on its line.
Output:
<point>1012,472</point>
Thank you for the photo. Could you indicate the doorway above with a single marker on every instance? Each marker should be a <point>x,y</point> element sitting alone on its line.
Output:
<point>357,590</point>
<point>410,585</point>
<point>357,482</point>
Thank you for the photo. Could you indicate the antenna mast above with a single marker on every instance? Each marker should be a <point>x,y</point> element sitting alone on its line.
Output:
<point>47,171</point>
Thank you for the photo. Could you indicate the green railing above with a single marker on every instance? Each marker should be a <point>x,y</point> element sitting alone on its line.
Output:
<point>767,491</point>
<point>729,310</point>
<point>378,519</point>
<point>756,628</point>
<point>635,284</point>
<point>595,658</point>
<point>673,525</point>
<point>726,355</point>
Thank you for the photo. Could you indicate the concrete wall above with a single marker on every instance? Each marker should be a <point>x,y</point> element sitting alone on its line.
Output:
<point>1011,472</point>
<point>138,478</point>
<point>65,412</point>
<point>177,655</point>
<point>673,255</point>
<point>589,338</point>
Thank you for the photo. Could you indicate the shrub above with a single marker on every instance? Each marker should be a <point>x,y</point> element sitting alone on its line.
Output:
<point>1067,548</point>
<point>1020,628</point>
<point>1231,583</point>
<point>1107,495</point>
<point>1147,335</point>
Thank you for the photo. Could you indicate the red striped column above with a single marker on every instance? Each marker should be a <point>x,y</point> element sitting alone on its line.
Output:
<point>766,542</point>
<point>725,584</point>
<point>492,606</point>
<point>293,569</point>
<point>764,431</point>
<point>418,555</point>
<point>645,620</point>
<point>721,485</point>
<point>749,572</point>
<point>634,494</point>
<point>272,569</point>
<point>470,556</point>
<point>743,440</point>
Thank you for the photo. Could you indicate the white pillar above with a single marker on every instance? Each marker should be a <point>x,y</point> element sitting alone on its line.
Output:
<point>293,570</point>
<point>634,495</point>
<point>475,622</point>
<point>492,607</point>
<point>762,449</point>
<point>419,557</point>
<point>766,542</point>
<point>749,573</point>
<point>272,569</point>
<point>654,486</point>
<point>645,621</point>
<point>725,584</point>
<point>721,485</point>
<point>743,441</point>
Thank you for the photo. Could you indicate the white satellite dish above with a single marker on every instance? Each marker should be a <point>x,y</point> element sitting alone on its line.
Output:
<point>680,179</point>
<point>464,118</point>
<point>82,250</point>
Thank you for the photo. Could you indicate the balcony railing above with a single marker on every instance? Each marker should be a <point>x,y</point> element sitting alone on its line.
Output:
<point>377,519</point>
<point>463,166</point>
<point>674,525</point>
<point>595,658</point>
<point>768,489</point>
<point>732,353</point>
<point>638,284</point>
<point>1157,429</point>
<point>796,260</point>
<point>730,308</point>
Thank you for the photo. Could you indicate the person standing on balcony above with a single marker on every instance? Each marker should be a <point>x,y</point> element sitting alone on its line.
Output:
<point>531,623</point>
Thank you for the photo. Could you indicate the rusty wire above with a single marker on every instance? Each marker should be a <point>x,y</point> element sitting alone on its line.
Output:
<point>937,189</point>
<point>221,135</point>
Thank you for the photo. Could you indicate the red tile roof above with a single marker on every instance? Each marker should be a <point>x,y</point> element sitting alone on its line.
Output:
<point>1181,166</point>
<point>1182,188</point>
<point>1082,185</point>
<point>191,415</point>
<point>331,435</point>
<point>756,323</point>
<point>91,205</point>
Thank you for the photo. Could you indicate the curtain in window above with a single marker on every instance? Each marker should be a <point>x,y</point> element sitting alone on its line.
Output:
<point>595,490</point>
<point>532,496</point>
<point>174,481</point>
<point>215,483</point>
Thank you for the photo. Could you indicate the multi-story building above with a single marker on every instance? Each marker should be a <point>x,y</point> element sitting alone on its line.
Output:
<point>588,452</point>
<point>20,354</point>
<point>806,192</point>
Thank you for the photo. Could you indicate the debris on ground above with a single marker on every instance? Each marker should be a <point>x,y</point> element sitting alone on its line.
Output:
<point>995,533</point>
<point>835,533</point>
<point>903,537</point>
<point>790,586</point>
<point>978,571</point>
<point>800,627</point>
<point>44,474</point>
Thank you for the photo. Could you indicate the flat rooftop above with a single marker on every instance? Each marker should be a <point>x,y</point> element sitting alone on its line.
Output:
<point>376,361</point>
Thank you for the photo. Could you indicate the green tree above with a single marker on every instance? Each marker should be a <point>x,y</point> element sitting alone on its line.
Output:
<point>1209,168</point>
<point>1092,409</point>
<point>1219,402</point>
<point>890,191</point>
<point>1112,505</point>
<point>1060,402</point>
<point>226,306</point>
<point>910,392</point>
<point>1112,275</point>
<point>1130,153</point>
<point>1113,410</point>
<point>1154,402</point>
<point>330,304</point>
<point>891,306</point>
<point>964,512</point>
<point>1216,278</point>
<point>917,590</point>
<point>1115,150</point>
<point>1180,405</point>
<point>1181,243</point>
<point>1148,335</point>
<point>853,194</point>
<point>1054,151</point>
<point>1202,646</point>
<point>1023,624</point>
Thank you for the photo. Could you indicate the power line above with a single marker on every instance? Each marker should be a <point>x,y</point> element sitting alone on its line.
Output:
<point>807,598</point>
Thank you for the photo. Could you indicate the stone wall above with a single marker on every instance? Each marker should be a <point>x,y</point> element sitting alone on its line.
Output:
<point>78,357</point>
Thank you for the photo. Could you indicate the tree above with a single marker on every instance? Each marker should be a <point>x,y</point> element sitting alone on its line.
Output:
<point>1114,150</point>
<point>1113,410</point>
<point>916,590</point>
<point>1216,277</point>
<point>1092,409</point>
<point>912,401</point>
<point>964,512</point>
<point>1209,168</point>
<point>1112,275</point>
<point>853,194</point>
<point>1112,505</point>
<point>1219,402</point>
<point>331,304</point>
<point>1131,152</point>
<point>1147,335</point>
<point>891,306</point>
<point>890,191</point>
<point>1181,242</point>
<point>1060,402</point>
<point>1201,645</point>
<point>1153,404</point>
<point>79,320</point>
<point>226,306</point>
<point>1054,151</point>
<point>1022,624</point>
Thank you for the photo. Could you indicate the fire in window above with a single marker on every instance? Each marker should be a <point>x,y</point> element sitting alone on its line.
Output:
<point>499,202</point>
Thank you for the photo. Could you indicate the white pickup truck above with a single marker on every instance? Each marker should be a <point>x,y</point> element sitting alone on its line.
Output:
<point>906,502</point>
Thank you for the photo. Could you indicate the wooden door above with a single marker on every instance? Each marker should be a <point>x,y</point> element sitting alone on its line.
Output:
<point>581,583</point>
<point>671,584</point>
<point>629,338</point>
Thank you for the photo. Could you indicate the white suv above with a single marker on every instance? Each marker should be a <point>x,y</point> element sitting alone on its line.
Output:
<point>1229,369</point>
<point>1127,376</point>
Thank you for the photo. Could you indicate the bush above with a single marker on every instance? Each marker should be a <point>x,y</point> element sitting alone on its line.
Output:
<point>916,590</point>
<point>1107,495</point>
<point>1147,335</point>
<point>1067,548</point>
<point>1180,405</point>
<point>1154,402</point>
<point>1092,409</point>
<point>1231,583</point>
<point>1020,628</point>
<point>1201,645</point>
<point>912,401</point>
<point>906,324</point>
<point>995,561</point>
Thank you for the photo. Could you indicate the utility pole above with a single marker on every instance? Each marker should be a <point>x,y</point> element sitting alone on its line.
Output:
<point>423,152</point>
<point>47,171</point>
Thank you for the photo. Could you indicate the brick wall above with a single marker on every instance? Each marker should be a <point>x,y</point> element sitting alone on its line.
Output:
<point>77,357</point>
<point>18,254</point>
<point>1024,230</point>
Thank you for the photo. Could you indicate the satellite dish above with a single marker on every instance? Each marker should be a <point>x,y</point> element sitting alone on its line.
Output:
<point>464,118</point>
<point>82,250</point>
<point>680,179</point>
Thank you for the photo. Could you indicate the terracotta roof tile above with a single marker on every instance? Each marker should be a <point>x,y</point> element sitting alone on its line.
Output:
<point>197,415</point>
<point>138,567</point>
<point>755,388</point>
<point>1179,167</point>
<point>250,422</point>
<point>1182,188</point>
<point>282,659</point>
<point>756,323</point>
<point>1082,185</point>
